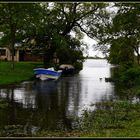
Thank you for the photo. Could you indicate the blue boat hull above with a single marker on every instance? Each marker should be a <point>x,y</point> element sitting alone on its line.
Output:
<point>44,74</point>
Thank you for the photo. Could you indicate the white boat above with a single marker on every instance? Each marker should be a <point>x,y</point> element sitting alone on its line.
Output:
<point>44,74</point>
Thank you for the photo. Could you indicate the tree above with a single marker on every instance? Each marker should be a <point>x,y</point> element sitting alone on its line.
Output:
<point>46,26</point>
<point>15,18</point>
<point>62,19</point>
<point>127,23</point>
<point>121,53</point>
<point>122,31</point>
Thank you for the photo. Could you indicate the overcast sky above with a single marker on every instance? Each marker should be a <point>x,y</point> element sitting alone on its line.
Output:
<point>91,50</point>
<point>113,10</point>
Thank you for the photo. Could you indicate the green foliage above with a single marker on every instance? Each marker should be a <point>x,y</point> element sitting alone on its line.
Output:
<point>121,34</point>
<point>110,115</point>
<point>78,66</point>
<point>70,52</point>
<point>14,131</point>
<point>126,24</point>
<point>50,27</point>
<point>16,19</point>
<point>130,77</point>
<point>3,104</point>
<point>121,53</point>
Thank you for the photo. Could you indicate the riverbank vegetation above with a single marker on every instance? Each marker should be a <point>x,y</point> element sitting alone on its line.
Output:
<point>109,119</point>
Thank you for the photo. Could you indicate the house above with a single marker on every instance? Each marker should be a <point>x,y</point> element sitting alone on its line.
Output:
<point>22,55</point>
<point>19,55</point>
<point>5,54</point>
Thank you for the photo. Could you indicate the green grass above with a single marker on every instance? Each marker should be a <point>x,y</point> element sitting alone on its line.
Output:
<point>22,71</point>
<point>113,119</point>
<point>109,120</point>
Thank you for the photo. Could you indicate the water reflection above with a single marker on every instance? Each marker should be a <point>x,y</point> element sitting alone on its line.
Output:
<point>93,85</point>
<point>52,104</point>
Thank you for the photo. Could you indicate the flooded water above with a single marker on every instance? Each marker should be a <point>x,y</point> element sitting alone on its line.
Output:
<point>50,105</point>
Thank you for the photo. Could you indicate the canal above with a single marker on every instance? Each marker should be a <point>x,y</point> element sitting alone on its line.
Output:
<point>51,105</point>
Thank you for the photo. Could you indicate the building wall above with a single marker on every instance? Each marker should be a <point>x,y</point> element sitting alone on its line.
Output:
<point>30,57</point>
<point>26,56</point>
<point>8,55</point>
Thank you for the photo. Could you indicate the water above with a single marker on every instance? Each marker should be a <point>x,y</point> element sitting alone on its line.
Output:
<point>52,104</point>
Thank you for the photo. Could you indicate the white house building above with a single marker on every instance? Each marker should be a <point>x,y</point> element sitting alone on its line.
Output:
<point>6,55</point>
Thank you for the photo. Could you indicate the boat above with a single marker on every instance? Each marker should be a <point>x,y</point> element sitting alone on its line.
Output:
<point>44,74</point>
<point>67,69</point>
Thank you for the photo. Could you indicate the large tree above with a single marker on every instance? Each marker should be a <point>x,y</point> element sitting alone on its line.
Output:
<point>63,18</point>
<point>47,26</point>
<point>122,31</point>
<point>16,19</point>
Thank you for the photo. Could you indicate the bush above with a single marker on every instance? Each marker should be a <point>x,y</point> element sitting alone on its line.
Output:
<point>78,66</point>
<point>131,76</point>
<point>128,77</point>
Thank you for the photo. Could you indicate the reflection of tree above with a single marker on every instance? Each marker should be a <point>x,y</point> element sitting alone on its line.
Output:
<point>12,118</point>
<point>50,110</point>
<point>52,99</point>
<point>69,96</point>
<point>121,92</point>
<point>64,97</point>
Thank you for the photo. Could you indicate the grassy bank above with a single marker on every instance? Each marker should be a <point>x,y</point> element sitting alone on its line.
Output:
<point>113,119</point>
<point>110,119</point>
<point>22,71</point>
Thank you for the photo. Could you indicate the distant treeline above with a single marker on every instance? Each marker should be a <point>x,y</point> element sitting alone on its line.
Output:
<point>90,57</point>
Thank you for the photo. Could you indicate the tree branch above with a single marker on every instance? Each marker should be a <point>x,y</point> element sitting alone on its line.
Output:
<point>83,30</point>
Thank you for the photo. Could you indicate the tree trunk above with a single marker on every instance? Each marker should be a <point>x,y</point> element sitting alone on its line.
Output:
<point>12,44</point>
<point>12,33</point>
<point>47,58</point>
<point>138,55</point>
<point>138,59</point>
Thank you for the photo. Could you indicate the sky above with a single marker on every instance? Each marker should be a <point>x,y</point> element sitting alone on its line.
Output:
<point>113,10</point>
<point>91,50</point>
<point>89,41</point>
